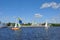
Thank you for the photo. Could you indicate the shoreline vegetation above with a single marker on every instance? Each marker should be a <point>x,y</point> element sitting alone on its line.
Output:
<point>29,24</point>
<point>54,24</point>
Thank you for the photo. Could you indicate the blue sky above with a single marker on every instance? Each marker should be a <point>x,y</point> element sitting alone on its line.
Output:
<point>26,10</point>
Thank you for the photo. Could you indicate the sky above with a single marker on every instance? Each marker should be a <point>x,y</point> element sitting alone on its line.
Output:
<point>30,10</point>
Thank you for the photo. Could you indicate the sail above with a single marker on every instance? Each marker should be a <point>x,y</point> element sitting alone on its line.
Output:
<point>15,24</point>
<point>20,21</point>
<point>19,25</point>
<point>46,25</point>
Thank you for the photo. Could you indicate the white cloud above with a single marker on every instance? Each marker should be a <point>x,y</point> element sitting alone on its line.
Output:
<point>52,5</point>
<point>38,15</point>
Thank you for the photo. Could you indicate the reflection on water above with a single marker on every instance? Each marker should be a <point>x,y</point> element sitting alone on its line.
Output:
<point>30,33</point>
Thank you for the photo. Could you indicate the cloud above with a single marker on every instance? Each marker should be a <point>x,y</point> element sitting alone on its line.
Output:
<point>52,5</point>
<point>38,15</point>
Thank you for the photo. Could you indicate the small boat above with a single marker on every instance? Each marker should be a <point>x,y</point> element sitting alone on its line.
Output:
<point>16,27</point>
<point>46,25</point>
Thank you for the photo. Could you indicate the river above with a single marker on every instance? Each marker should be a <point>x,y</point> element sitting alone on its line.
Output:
<point>30,33</point>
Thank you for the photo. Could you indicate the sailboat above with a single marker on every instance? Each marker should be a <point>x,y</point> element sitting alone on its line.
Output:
<point>17,26</point>
<point>46,25</point>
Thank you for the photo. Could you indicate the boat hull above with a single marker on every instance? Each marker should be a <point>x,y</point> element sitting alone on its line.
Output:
<point>15,28</point>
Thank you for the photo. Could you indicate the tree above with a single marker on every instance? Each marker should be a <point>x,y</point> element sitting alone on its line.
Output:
<point>8,24</point>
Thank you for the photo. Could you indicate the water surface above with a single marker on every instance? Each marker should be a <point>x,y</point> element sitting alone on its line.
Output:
<point>30,33</point>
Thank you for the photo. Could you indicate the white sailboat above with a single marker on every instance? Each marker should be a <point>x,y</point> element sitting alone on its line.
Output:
<point>46,25</point>
<point>17,26</point>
